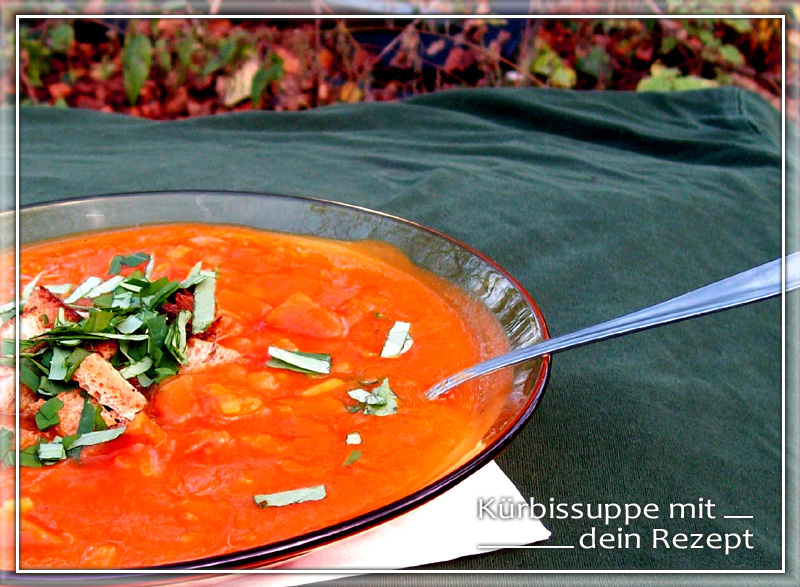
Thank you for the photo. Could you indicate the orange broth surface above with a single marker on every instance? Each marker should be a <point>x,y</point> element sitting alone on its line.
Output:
<point>181,487</point>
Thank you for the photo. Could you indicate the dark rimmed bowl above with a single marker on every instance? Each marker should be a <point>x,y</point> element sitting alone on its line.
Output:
<point>440,254</point>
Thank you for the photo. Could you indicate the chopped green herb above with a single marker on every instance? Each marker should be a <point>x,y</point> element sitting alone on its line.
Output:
<point>352,458</point>
<point>28,289</point>
<point>99,423</point>
<point>86,423</point>
<point>381,401</point>
<point>148,271</point>
<point>84,288</point>
<point>50,452</point>
<point>128,260</point>
<point>7,446</point>
<point>48,413</point>
<point>353,438</point>
<point>74,361</point>
<point>59,289</point>
<point>50,388</point>
<point>8,347</point>
<point>136,369</point>
<point>204,305</point>
<point>29,457</point>
<point>105,287</point>
<point>58,364</point>
<point>29,374</point>
<point>308,363</point>
<point>176,337</point>
<point>130,324</point>
<point>196,275</point>
<point>283,498</point>
<point>398,341</point>
<point>92,438</point>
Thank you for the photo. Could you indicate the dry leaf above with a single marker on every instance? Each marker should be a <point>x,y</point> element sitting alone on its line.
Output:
<point>350,92</point>
<point>237,87</point>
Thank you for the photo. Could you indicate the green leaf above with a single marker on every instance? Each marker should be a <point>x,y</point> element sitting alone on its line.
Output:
<point>83,289</point>
<point>264,77</point>
<point>135,369</point>
<point>224,56</point>
<point>381,401</point>
<point>595,64</point>
<point>196,275</point>
<point>732,55</point>
<point>352,457</point>
<point>308,363</point>
<point>29,457</point>
<point>7,446</point>
<point>99,423</point>
<point>175,340</point>
<point>59,289</point>
<point>398,341</point>
<point>61,38</point>
<point>98,321</point>
<point>58,364</point>
<point>92,438</point>
<point>132,260</point>
<point>692,82</point>
<point>28,289</point>
<point>51,388</point>
<point>86,423</point>
<point>74,361</point>
<point>29,374</point>
<point>48,413</point>
<point>130,324</point>
<point>49,452</point>
<point>284,498</point>
<point>109,285</point>
<point>563,77</point>
<point>185,49</point>
<point>204,305</point>
<point>740,25</point>
<point>137,55</point>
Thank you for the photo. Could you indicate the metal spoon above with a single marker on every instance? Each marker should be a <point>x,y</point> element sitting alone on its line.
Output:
<point>749,286</point>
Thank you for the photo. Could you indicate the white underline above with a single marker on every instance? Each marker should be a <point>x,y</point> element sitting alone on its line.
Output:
<point>518,546</point>
<point>739,517</point>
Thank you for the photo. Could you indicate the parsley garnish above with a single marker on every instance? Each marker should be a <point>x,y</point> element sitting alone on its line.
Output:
<point>48,414</point>
<point>352,458</point>
<point>283,498</point>
<point>308,363</point>
<point>381,401</point>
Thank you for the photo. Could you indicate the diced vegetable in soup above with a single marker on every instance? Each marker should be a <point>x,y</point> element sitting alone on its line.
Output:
<point>193,390</point>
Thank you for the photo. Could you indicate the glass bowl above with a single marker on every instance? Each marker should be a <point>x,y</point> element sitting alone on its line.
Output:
<point>435,252</point>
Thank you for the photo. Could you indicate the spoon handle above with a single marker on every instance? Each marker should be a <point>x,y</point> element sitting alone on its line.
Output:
<point>749,286</point>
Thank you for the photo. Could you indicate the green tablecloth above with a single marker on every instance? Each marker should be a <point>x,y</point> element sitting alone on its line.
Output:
<point>599,203</point>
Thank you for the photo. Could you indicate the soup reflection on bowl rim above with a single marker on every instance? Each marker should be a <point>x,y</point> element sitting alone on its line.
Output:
<point>445,256</point>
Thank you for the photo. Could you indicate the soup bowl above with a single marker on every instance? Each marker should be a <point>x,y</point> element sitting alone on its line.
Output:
<point>482,280</point>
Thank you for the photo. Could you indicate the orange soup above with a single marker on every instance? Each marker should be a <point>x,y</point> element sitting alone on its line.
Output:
<point>299,403</point>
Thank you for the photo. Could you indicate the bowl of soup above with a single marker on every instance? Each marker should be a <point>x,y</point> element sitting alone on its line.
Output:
<point>285,407</point>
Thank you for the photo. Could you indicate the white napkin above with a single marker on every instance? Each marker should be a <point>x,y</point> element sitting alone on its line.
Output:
<point>445,528</point>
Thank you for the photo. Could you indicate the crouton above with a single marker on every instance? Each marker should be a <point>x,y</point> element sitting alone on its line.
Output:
<point>69,415</point>
<point>38,315</point>
<point>204,354</point>
<point>104,383</point>
<point>28,438</point>
<point>27,398</point>
<point>104,348</point>
<point>8,402</point>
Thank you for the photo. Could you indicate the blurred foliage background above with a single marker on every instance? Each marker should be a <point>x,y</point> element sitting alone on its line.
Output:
<point>170,68</point>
